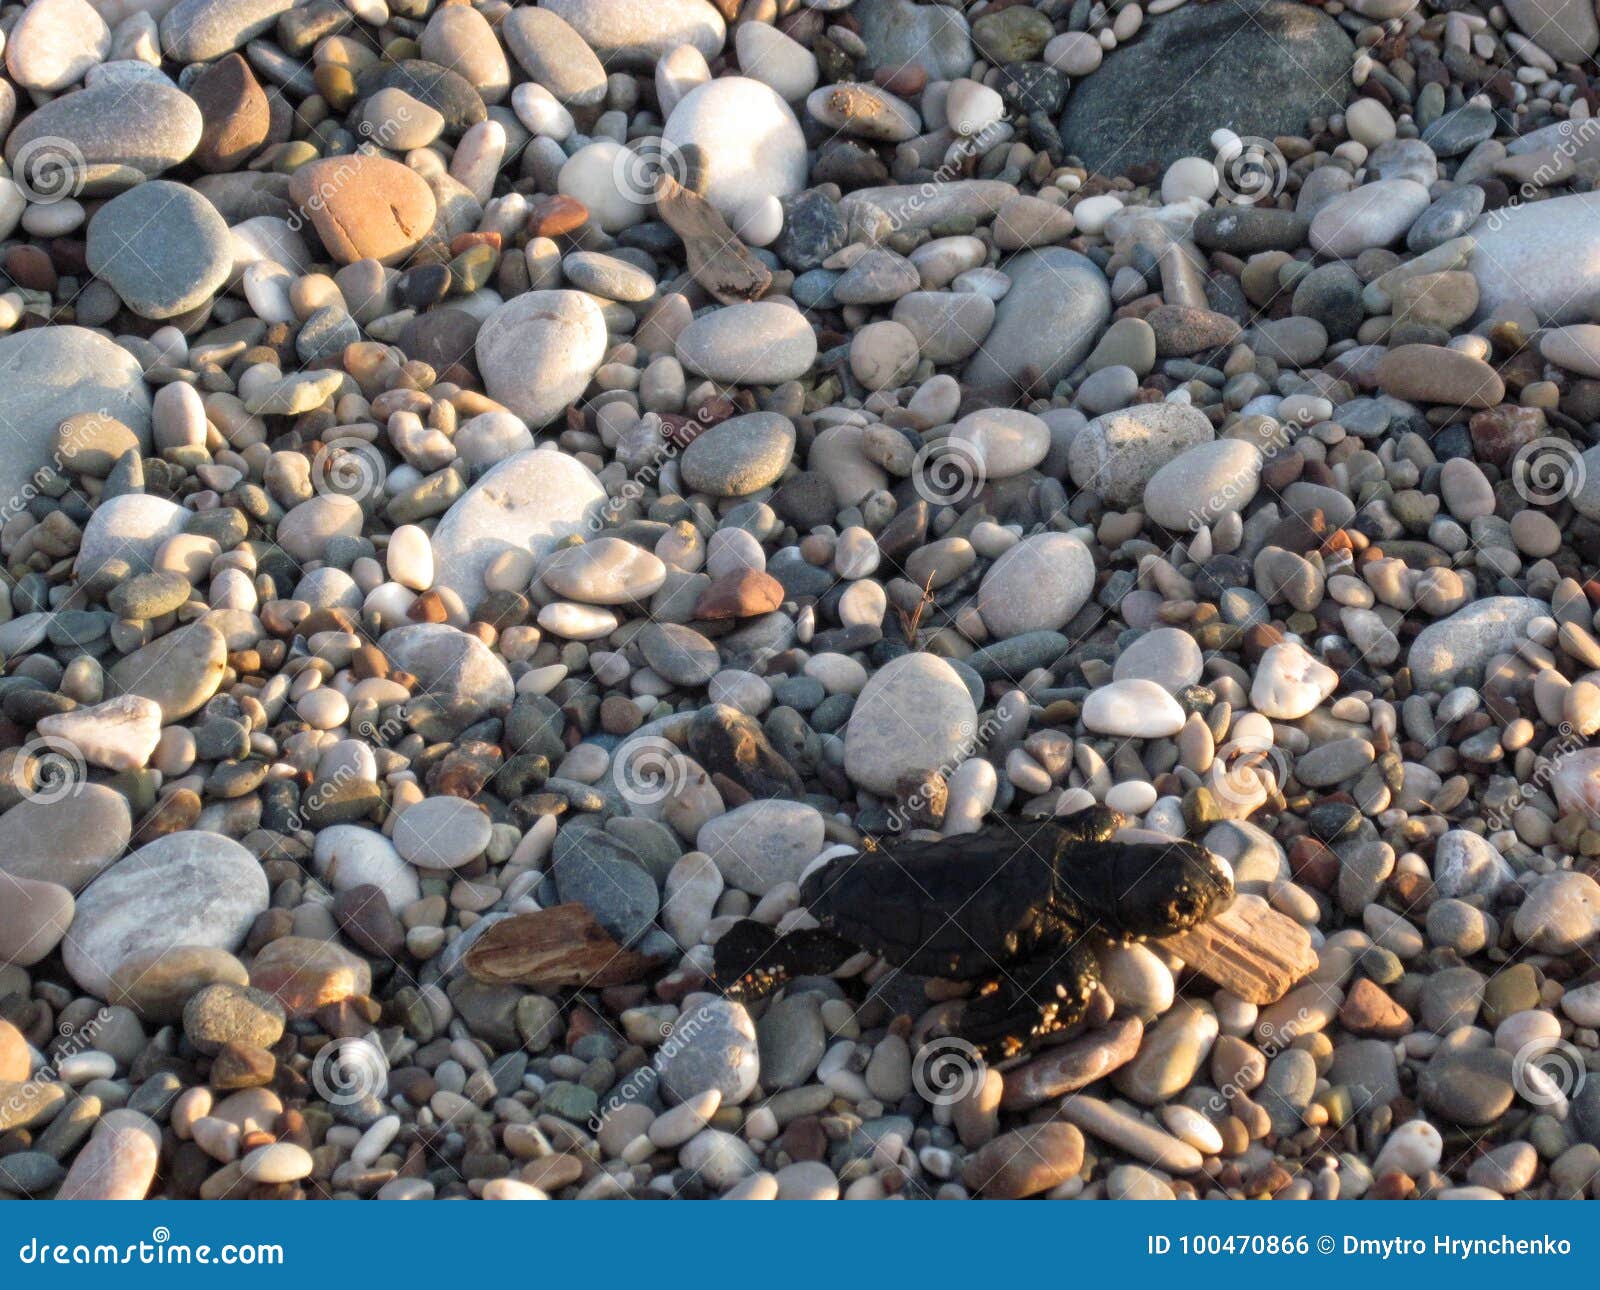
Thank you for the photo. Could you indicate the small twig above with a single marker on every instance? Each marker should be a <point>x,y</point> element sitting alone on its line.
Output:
<point>911,624</point>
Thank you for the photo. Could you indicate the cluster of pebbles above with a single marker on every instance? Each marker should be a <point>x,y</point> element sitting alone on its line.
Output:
<point>465,460</point>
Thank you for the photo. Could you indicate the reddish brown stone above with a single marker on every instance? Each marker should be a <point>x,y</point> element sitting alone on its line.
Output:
<point>429,607</point>
<point>364,206</point>
<point>304,974</point>
<point>234,113</point>
<point>556,216</point>
<point>743,593</point>
<point>465,241</point>
<point>1313,863</point>
<point>1497,433</point>
<point>1368,1010</point>
<point>242,1066</point>
<point>1025,1161</point>
<point>30,267</point>
<point>910,78</point>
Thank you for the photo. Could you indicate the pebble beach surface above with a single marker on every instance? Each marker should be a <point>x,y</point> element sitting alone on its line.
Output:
<point>493,494</point>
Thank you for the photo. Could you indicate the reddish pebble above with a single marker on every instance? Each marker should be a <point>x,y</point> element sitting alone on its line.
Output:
<point>909,78</point>
<point>556,216</point>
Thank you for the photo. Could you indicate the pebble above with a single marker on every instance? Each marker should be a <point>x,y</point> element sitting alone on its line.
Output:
<point>441,833</point>
<point>1289,682</point>
<point>1037,585</point>
<point>1456,649</point>
<point>1259,72</point>
<point>118,1162</point>
<point>752,146</point>
<point>162,247</point>
<point>1118,454</point>
<point>1048,321</point>
<point>713,1049</point>
<point>1133,709</point>
<point>1203,484</point>
<point>191,888</point>
<point>914,715</point>
<point>1560,914</point>
<point>525,504</point>
<point>762,845</point>
<point>538,352</point>
<point>70,840</point>
<point>739,456</point>
<point>749,344</point>
<point>1376,214</point>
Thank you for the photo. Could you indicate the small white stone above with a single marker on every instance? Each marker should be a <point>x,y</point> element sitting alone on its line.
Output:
<point>1290,683</point>
<point>971,107</point>
<point>1412,1149</point>
<point>1092,214</point>
<point>1369,123</point>
<point>1134,709</point>
<point>776,59</point>
<point>409,558</point>
<point>539,110</point>
<point>1189,177</point>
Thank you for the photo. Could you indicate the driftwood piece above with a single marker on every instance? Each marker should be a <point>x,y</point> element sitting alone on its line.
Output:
<point>554,949</point>
<point>1250,949</point>
<point>718,260</point>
